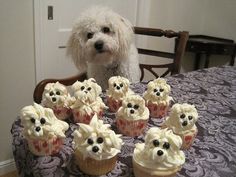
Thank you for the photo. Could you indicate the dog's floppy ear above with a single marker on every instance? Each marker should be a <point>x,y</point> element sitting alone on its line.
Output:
<point>75,52</point>
<point>125,35</point>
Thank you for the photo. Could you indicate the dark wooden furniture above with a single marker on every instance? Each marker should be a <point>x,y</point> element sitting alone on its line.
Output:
<point>172,68</point>
<point>208,45</point>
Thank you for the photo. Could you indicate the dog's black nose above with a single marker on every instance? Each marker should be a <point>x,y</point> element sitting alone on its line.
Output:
<point>160,153</point>
<point>95,149</point>
<point>185,123</point>
<point>158,93</point>
<point>37,129</point>
<point>118,88</point>
<point>98,45</point>
<point>54,99</point>
<point>131,111</point>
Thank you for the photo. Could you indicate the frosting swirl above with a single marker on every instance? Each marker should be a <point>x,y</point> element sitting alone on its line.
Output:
<point>182,118</point>
<point>41,123</point>
<point>160,152</point>
<point>97,140</point>
<point>158,92</point>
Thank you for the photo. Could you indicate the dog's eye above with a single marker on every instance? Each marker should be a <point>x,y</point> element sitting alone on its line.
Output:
<point>156,143</point>
<point>82,88</point>
<point>89,88</point>
<point>51,93</point>
<point>42,121</point>
<point>121,85</point>
<point>136,106</point>
<point>32,120</point>
<point>182,116</point>
<point>129,105</point>
<point>100,140</point>
<point>89,35</point>
<point>161,90</point>
<point>90,141</point>
<point>58,93</point>
<point>114,85</point>
<point>166,145</point>
<point>190,117</point>
<point>155,90</point>
<point>106,30</point>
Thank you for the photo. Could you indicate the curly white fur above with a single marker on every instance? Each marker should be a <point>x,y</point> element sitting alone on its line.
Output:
<point>117,55</point>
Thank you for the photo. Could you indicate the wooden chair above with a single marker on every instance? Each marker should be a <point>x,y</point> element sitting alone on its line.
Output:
<point>180,44</point>
<point>173,68</point>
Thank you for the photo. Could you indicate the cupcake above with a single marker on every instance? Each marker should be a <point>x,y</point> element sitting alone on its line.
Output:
<point>42,130</point>
<point>96,147</point>
<point>87,101</point>
<point>132,116</point>
<point>159,156</point>
<point>56,97</point>
<point>118,88</point>
<point>157,98</point>
<point>182,121</point>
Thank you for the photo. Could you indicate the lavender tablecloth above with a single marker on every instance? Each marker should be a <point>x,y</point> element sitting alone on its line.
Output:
<point>212,91</point>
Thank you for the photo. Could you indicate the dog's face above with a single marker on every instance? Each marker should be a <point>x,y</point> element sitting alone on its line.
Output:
<point>161,144</point>
<point>183,116</point>
<point>118,85</point>
<point>157,89</point>
<point>86,91</point>
<point>99,36</point>
<point>37,121</point>
<point>54,94</point>
<point>96,140</point>
<point>133,105</point>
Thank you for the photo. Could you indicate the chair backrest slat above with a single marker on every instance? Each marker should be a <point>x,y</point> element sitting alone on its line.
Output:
<point>156,53</point>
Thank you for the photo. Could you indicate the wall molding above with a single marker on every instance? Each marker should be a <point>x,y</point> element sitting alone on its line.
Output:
<point>7,166</point>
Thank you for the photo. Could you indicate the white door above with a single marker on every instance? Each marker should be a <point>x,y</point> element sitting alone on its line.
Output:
<point>53,22</point>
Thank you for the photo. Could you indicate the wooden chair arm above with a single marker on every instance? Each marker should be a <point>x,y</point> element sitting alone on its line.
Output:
<point>38,91</point>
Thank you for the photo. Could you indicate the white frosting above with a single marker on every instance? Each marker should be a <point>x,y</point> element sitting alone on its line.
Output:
<point>181,114</point>
<point>56,95</point>
<point>36,117</point>
<point>135,104</point>
<point>146,154</point>
<point>155,87</point>
<point>108,148</point>
<point>118,87</point>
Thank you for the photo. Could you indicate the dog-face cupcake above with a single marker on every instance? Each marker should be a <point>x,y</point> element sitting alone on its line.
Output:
<point>56,97</point>
<point>182,121</point>
<point>132,116</point>
<point>96,147</point>
<point>118,88</point>
<point>87,101</point>
<point>43,131</point>
<point>157,97</point>
<point>159,156</point>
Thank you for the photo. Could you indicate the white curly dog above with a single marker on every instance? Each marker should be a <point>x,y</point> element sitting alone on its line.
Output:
<point>101,44</point>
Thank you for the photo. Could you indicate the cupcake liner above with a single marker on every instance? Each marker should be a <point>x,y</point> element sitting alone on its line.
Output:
<point>131,128</point>
<point>45,147</point>
<point>84,118</point>
<point>94,167</point>
<point>113,104</point>
<point>62,113</point>
<point>157,111</point>
<point>188,138</point>
<point>140,171</point>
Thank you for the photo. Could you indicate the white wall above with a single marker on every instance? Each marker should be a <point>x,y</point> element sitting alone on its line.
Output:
<point>17,70</point>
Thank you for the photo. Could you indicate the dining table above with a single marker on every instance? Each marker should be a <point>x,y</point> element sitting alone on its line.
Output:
<point>213,153</point>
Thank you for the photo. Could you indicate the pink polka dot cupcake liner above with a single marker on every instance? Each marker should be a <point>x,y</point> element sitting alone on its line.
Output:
<point>157,111</point>
<point>113,105</point>
<point>188,139</point>
<point>62,113</point>
<point>84,118</point>
<point>45,147</point>
<point>131,128</point>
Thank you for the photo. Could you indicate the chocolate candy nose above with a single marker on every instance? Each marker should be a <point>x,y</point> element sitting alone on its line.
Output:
<point>95,149</point>
<point>160,153</point>
<point>185,123</point>
<point>37,129</point>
